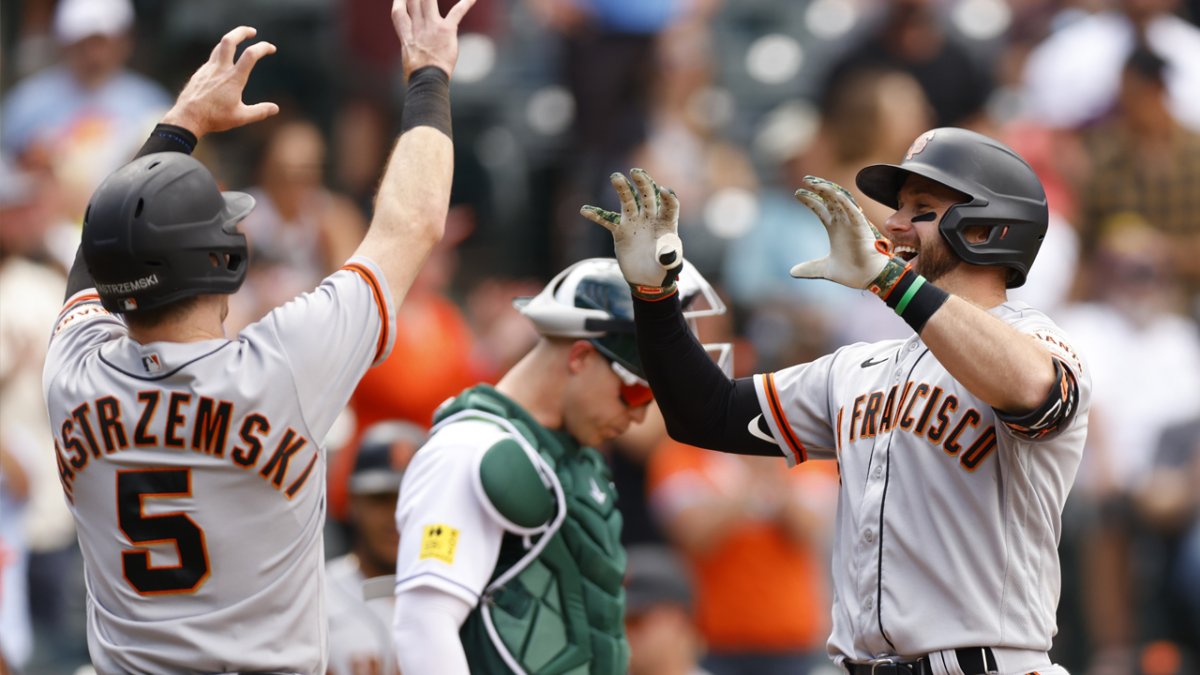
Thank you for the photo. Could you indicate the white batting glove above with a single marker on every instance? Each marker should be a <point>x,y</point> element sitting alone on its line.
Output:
<point>645,234</point>
<point>859,256</point>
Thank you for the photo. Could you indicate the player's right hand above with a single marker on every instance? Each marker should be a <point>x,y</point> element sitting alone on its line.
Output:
<point>427,38</point>
<point>212,98</point>
<point>859,256</point>
<point>645,233</point>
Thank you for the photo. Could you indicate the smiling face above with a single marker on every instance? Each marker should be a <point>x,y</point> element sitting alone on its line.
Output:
<point>913,228</point>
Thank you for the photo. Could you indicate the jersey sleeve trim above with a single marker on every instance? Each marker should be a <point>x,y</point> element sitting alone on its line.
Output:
<point>383,346</point>
<point>796,451</point>
<point>439,582</point>
<point>86,295</point>
<point>84,304</point>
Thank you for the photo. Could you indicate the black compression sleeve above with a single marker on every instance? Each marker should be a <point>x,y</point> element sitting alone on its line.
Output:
<point>164,138</point>
<point>168,138</point>
<point>427,101</point>
<point>700,404</point>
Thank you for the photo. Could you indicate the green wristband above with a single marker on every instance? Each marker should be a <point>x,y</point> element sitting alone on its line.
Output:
<point>908,295</point>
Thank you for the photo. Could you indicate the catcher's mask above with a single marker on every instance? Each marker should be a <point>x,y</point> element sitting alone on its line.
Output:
<point>159,230</point>
<point>591,300</point>
<point>1003,190</point>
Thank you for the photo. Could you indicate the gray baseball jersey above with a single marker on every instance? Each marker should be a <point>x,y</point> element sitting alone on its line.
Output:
<point>948,523</point>
<point>360,632</point>
<point>196,476</point>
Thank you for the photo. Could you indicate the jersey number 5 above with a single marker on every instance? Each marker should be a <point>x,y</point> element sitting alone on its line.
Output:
<point>133,488</point>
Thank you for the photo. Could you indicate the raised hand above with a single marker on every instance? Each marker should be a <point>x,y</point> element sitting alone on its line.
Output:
<point>212,99</point>
<point>426,37</point>
<point>859,256</point>
<point>645,233</point>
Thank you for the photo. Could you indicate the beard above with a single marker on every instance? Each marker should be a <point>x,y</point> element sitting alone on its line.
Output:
<point>936,261</point>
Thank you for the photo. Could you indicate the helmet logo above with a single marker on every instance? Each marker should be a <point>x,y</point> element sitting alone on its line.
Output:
<point>919,145</point>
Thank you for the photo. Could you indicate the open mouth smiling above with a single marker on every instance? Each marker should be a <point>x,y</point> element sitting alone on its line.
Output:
<point>907,253</point>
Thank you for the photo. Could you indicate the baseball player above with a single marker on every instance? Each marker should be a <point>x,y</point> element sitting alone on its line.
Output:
<point>360,635</point>
<point>510,556</point>
<point>192,462</point>
<point>956,447</point>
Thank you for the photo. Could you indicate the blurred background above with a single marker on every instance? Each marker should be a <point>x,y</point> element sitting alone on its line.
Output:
<point>731,104</point>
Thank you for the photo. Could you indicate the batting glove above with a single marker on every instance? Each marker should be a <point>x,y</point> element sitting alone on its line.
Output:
<point>645,234</point>
<point>859,256</point>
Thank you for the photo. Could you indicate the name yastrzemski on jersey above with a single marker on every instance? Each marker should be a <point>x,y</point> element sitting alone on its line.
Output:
<point>283,458</point>
<point>924,410</point>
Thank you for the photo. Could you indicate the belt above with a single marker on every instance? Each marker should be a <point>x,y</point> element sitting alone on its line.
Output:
<point>972,661</point>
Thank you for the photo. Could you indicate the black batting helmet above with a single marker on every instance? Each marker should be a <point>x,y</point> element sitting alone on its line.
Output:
<point>1002,188</point>
<point>159,230</point>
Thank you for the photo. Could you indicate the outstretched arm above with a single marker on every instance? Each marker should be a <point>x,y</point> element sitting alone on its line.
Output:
<point>700,404</point>
<point>414,197</point>
<point>210,101</point>
<point>1009,370</point>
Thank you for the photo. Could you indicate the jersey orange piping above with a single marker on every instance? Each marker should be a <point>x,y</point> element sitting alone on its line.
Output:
<point>89,297</point>
<point>377,292</point>
<point>799,454</point>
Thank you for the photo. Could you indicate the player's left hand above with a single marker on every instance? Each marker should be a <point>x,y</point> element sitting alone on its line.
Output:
<point>645,233</point>
<point>212,99</point>
<point>859,256</point>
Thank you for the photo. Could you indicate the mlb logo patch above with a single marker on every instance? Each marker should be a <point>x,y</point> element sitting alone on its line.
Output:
<point>129,304</point>
<point>151,363</point>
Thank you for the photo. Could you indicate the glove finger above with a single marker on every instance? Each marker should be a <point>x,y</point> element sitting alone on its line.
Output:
<point>815,204</point>
<point>668,251</point>
<point>811,269</point>
<point>606,219</point>
<point>625,192</point>
<point>831,191</point>
<point>647,191</point>
<point>669,214</point>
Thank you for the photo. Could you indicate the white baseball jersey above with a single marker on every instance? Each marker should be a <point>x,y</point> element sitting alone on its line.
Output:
<point>196,476</point>
<point>360,632</point>
<point>449,540</point>
<point>948,523</point>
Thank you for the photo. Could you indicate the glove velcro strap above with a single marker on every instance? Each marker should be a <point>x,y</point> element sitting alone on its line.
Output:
<point>653,293</point>
<point>915,300</point>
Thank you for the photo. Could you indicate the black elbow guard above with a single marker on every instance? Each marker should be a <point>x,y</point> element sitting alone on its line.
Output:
<point>1054,414</point>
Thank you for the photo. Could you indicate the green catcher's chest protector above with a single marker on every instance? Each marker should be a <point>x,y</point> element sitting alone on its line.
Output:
<point>555,602</point>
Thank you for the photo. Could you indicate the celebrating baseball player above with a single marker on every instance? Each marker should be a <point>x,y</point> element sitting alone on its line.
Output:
<point>510,555</point>
<point>956,447</point>
<point>193,463</point>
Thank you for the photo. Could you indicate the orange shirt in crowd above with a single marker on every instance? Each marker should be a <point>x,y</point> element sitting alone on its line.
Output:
<point>431,361</point>
<point>757,589</point>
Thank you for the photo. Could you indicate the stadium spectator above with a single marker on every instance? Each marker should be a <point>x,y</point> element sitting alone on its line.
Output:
<point>86,115</point>
<point>360,641</point>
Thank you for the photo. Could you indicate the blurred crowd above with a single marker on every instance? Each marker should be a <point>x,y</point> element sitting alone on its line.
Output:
<point>731,104</point>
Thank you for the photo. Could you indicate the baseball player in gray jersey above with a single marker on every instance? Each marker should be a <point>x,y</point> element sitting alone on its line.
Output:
<point>956,447</point>
<point>193,462</point>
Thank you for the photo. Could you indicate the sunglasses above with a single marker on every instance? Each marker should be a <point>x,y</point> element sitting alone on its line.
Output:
<point>634,392</point>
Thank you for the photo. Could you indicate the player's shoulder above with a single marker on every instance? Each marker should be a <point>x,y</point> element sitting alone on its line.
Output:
<point>857,353</point>
<point>455,447</point>
<point>83,308</point>
<point>1032,321</point>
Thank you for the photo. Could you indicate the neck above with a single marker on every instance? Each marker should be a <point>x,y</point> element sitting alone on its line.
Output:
<point>980,285</point>
<point>536,384</point>
<point>205,321</point>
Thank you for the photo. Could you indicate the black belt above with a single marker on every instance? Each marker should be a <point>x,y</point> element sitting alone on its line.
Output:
<point>972,661</point>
